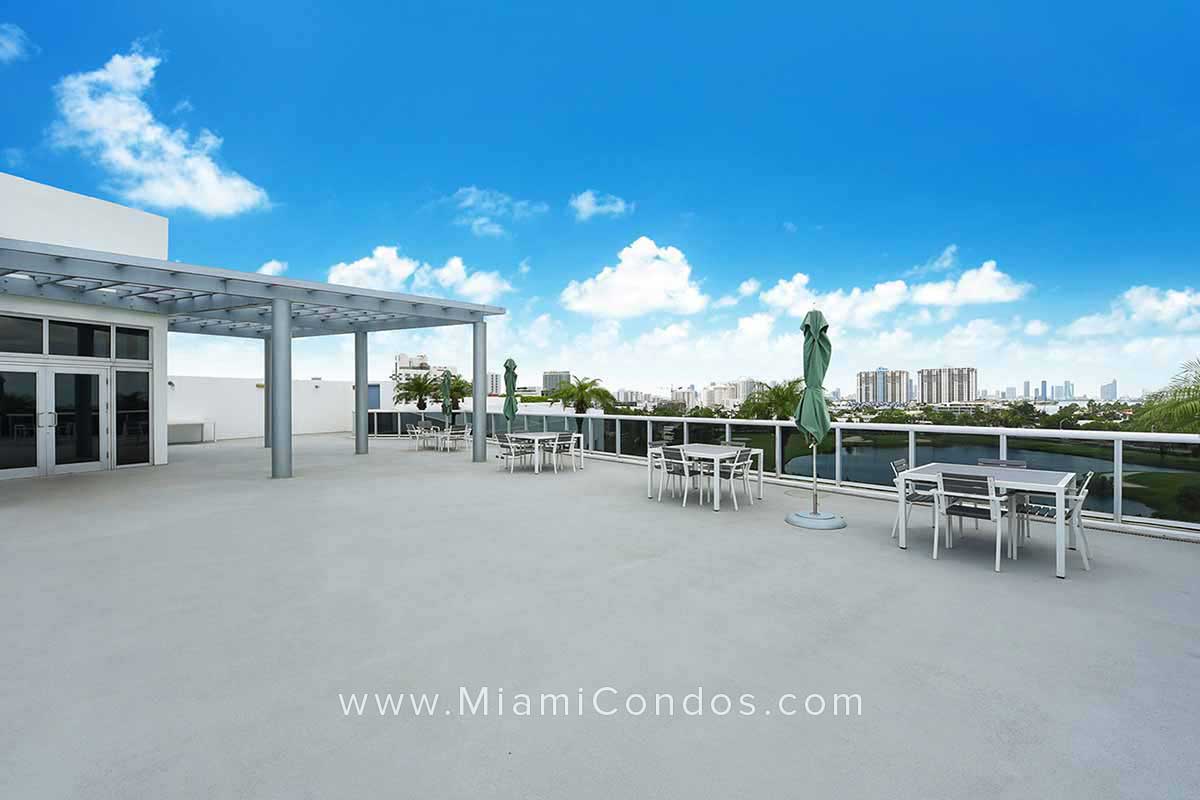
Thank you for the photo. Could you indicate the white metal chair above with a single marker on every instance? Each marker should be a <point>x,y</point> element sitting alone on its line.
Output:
<point>912,497</point>
<point>556,447</point>
<point>738,469</point>
<point>1074,516</point>
<point>971,496</point>
<point>513,450</point>
<point>676,465</point>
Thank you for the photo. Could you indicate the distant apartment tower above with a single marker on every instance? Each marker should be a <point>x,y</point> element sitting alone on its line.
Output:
<point>744,388</point>
<point>948,385</point>
<point>1010,393</point>
<point>688,398</point>
<point>551,380</point>
<point>495,383</point>
<point>1026,393</point>
<point>911,394</point>
<point>1044,396</point>
<point>1068,390</point>
<point>1108,391</point>
<point>406,366</point>
<point>883,385</point>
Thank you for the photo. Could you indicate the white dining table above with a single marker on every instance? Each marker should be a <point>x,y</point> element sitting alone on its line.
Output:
<point>1011,480</point>
<point>709,452</point>
<point>537,437</point>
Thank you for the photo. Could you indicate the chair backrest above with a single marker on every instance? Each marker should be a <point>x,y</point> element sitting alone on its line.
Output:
<point>899,465</point>
<point>674,456</point>
<point>502,438</point>
<point>1002,462</point>
<point>565,438</point>
<point>978,486</point>
<point>656,443</point>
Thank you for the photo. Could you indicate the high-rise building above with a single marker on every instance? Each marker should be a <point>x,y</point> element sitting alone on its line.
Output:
<point>911,396</point>
<point>495,383</point>
<point>688,398</point>
<point>1108,391</point>
<point>551,380</point>
<point>1026,394</point>
<point>947,385</point>
<point>406,366</point>
<point>1068,390</point>
<point>1010,393</point>
<point>745,387</point>
<point>883,385</point>
<point>1044,395</point>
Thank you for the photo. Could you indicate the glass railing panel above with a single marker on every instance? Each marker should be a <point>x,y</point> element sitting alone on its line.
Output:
<point>1070,455</point>
<point>633,437</point>
<point>669,432</point>
<point>756,436</point>
<point>954,448</point>
<point>387,423</point>
<point>606,435</point>
<point>703,431</point>
<point>407,419</point>
<point>1160,481</point>
<point>536,423</point>
<point>797,454</point>
<point>560,424</point>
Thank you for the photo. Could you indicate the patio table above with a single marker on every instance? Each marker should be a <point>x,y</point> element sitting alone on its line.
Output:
<point>1012,480</point>
<point>538,437</point>
<point>708,452</point>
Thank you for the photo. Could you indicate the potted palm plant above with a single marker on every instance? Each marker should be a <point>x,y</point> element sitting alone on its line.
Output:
<point>415,388</point>
<point>582,394</point>
<point>774,402</point>
<point>460,388</point>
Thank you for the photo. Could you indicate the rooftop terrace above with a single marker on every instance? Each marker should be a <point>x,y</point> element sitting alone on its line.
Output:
<point>185,631</point>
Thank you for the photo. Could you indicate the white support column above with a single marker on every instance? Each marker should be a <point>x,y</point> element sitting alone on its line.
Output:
<point>360,393</point>
<point>281,384</point>
<point>479,394</point>
<point>266,393</point>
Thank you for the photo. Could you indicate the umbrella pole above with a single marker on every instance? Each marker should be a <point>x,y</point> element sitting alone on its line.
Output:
<point>814,460</point>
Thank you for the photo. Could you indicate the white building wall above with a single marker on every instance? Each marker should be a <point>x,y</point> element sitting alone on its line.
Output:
<point>35,212</point>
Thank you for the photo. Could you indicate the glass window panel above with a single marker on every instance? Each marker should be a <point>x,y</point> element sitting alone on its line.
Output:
<point>373,399</point>
<point>702,431</point>
<point>1066,455</point>
<point>956,448</point>
<point>387,423</point>
<point>77,408</point>
<point>20,335</point>
<point>797,455</point>
<point>867,456</point>
<point>133,343</point>
<point>18,420</point>
<point>669,432</point>
<point>79,339</point>
<point>133,418</point>
<point>1160,481</point>
<point>633,437</point>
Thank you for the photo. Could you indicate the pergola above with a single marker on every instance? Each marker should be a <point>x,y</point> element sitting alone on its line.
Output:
<point>224,302</point>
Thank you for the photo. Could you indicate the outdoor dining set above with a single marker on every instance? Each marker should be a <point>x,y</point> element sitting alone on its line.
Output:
<point>999,492</point>
<point>703,466</point>
<point>427,434</point>
<point>533,448</point>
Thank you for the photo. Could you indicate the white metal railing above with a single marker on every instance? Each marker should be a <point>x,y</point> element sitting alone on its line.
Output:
<point>596,442</point>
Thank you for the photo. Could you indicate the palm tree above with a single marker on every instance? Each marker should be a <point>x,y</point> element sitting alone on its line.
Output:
<point>460,388</point>
<point>415,387</point>
<point>582,393</point>
<point>1177,407</point>
<point>775,402</point>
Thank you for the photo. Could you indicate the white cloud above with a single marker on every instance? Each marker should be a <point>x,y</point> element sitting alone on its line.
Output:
<point>725,301</point>
<point>102,114</point>
<point>477,286</point>
<point>273,267</point>
<point>485,210</point>
<point>647,278</point>
<point>384,269</point>
<point>15,44</point>
<point>790,227</point>
<point>857,308</point>
<point>1162,306</point>
<point>588,204</point>
<point>748,287</point>
<point>1096,325</point>
<point>1035,327</point>
<point>945,261</point>
<point>183,106</point>
<point>984,284</point>
<point>14,157</point>
<point>524,267</point>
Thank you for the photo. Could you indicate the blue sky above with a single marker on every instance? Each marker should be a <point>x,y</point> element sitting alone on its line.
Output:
<point>1015,189</point>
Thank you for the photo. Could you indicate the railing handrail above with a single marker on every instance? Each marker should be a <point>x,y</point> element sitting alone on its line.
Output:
<point>984,430</point>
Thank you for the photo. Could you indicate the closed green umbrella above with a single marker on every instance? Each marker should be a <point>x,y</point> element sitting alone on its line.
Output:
<point>812,415</point>
<point>510,392</point>
<point>447,403</point>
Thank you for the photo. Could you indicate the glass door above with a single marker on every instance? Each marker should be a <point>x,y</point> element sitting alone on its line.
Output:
<point>79,425</point>
<point>131,417</point>
<point>21,421</point>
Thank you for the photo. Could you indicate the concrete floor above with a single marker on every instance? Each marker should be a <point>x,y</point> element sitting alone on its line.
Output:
<point>185,631</point>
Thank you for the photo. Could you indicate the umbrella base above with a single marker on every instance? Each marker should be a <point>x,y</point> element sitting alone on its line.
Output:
<point>817,521</point>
